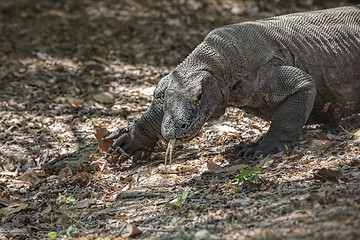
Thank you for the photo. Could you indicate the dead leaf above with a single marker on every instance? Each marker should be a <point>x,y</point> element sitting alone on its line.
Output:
<point>83,176</point>
<point>7,212</point>
<point>104,97</point>
<point>97,175</point>
<point>323,136</point>
<point>317,144</point>
<point>8,165</point>
<point>100,133</point>
<point>129,230</point>
<point>82,204</point>
<point>95,166</point>
<point>327,174</point>
<point>46,210</point>
<point>16,233</point>
<point>265,162</point>
<point>232,168</point>
<point>212,188</point>
<point>30,175</point>
<point>213,167</point>
<point>64,174</point>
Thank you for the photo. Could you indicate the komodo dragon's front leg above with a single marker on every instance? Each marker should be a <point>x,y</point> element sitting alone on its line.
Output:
<point>139,138</point>
<point>290,93</point>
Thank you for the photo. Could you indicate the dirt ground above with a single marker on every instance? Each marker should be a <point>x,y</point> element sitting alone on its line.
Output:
<point>66,65</point>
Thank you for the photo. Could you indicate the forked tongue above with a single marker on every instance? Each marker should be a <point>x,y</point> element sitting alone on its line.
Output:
<point>169,150</point>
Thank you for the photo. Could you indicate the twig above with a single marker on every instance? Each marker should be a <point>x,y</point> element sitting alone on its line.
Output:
<point>54,161</point>
<point>120,231</point>
<point>158,230</point>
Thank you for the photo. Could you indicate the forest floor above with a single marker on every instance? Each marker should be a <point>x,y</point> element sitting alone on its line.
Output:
<point>66,65</point>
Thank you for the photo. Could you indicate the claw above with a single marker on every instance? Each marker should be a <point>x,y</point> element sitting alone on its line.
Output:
<point>139,155</point>
<point>124,157</point>
<point>250,149</point>
<point>110,150</point>
<point>119,142</point>
<point>116,134</point>
<point>256,154</point>
<point>241,153</point>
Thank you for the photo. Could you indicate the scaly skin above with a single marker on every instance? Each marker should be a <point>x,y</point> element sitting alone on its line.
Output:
<point>293,70</point>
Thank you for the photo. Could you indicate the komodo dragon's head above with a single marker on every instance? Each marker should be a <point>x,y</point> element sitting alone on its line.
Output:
<point>189,102</point>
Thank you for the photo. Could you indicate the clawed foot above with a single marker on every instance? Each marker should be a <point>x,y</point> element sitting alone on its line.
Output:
<point>126,145</point>
<point>261,148</point>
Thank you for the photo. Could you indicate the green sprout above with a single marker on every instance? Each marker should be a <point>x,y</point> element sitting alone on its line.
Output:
<point>181,199</point>
<point>253,175</point>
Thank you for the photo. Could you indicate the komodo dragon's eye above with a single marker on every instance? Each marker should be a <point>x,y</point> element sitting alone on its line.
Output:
<point>197,97</point>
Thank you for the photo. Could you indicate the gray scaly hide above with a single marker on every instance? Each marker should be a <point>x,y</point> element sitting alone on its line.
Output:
<point>292,69</point>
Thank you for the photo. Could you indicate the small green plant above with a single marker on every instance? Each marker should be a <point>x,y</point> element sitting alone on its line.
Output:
<point>66,200</point>
<point>190,214</point>
<point>93,121</point>
<point>181,199</point>
<point>38,130</point>
<point>69,231</point>
<point>69,215</point>
<point>268,235</point>
<point>185,235</point>
<point>52,234</point>
<point>253,176</point>
<point>41,126</point>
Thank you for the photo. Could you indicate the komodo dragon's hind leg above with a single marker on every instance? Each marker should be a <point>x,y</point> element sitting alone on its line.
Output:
<point>290,92</point>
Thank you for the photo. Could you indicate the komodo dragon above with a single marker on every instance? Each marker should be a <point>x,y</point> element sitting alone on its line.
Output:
<point>293,69</point>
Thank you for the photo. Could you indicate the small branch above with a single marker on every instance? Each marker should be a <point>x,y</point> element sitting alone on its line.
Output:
<point>157,230</point>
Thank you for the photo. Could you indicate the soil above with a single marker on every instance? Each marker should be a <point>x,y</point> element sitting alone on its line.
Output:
<point>66,66</point>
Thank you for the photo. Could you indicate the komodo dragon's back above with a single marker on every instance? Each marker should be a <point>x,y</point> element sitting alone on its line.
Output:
<point>325,44</point>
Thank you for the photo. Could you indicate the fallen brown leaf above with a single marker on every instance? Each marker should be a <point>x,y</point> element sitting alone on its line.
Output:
<point>129,230</point>
<point>83,175</point>
<point>100,133</point>
<point>46,210</point>
<point>262,187</point>
<point>317,144</point>
<point>104,97</point>
<point>64,174</point>
<point>230,169</point>
<point>213,167</point>
<point>327,174</point>
<point>95,166</point>
<point>82,204</point>
<point>30,175</point>
<point>7,212</point>
<point>323,136</point>
<point>97,175</point>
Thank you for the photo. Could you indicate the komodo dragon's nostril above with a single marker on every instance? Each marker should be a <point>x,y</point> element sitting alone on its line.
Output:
<point>183,125</point>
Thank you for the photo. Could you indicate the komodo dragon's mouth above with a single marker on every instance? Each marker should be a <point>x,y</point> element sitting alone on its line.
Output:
<point>186,139</point>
